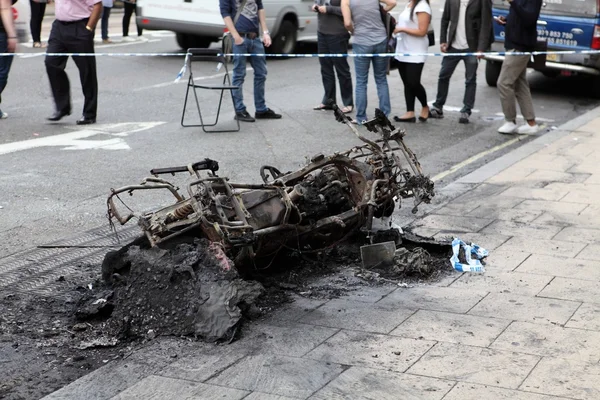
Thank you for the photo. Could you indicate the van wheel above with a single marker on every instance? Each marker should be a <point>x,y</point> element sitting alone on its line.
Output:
<point>186,41</point>
<point>551,73</point>
<point>492,72</point>
<point>596,87</point>
<point>285,41</point>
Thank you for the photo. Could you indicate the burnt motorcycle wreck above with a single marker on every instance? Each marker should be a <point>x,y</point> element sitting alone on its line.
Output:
<point>312,208</point>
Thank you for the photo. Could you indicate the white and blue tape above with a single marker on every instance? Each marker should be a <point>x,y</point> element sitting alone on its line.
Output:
<point>473,255</point>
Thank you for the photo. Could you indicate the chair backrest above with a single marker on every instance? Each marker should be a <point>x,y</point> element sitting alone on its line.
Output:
<point>198,54</point>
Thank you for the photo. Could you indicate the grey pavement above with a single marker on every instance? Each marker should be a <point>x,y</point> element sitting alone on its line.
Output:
<point>528,328</point>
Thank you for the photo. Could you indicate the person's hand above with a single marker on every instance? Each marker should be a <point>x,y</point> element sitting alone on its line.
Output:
<point>12,45</point>
<point>480,54</point>
<point>322,9</point>
<point>238,40</point>
<point>266,39</point>
<point>501,20</point>
<point>399,30</point>
<point>443,47</point>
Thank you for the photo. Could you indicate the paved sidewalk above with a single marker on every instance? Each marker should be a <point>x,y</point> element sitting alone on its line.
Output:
<point>529,328</point>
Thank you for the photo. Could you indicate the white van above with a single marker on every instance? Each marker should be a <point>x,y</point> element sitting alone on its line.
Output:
<point>21,13</point>
<point>198,23</point>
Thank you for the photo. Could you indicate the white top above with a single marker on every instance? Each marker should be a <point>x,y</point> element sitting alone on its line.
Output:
<point>408,43</point>
<point>460,38</point>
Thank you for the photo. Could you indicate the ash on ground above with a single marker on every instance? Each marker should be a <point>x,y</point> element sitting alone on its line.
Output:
<point>191,291</point>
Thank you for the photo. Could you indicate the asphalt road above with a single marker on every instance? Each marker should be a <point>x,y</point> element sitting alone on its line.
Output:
<point>54,177</point>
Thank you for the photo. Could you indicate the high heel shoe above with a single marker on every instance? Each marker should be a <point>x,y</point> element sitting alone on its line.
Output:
<point>411,119</point>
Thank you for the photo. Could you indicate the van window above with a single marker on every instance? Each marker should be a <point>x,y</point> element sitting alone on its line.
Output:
<point>587,8</point>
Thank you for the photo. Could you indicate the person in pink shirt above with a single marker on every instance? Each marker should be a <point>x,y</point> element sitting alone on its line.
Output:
<point>73,32</point>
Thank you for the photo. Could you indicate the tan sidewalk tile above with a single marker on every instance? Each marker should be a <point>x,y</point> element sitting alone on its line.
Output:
<point>364,384</point>
<point>505,260</point>
<point>299,307</point>
<point>449,222</point>
<point>433,298</point>
<point>572,289</point>
<point>511,174</point>
<point>265,396</point>
<point>566,142</point>
<point>579,235</point>
<point>158,387</point>
<point>470,391</point>
<point>503,282</point>
<point>506,214</point>
<point>569,378</point>
<point>574,186</point>
<point>366,317</point>
<point>199,369</point>
<point>550,341</point>
<point>525,308</point>
<point>551,206</point>
<point>564,220</point>
<point>582,196</point>
<point>586,317</point>
<point>535,193</point>
<point>371,350</point>
<point>560,266</point>
<point>486,240</point>
<point>525,230</point>
<point>590,252</point>
<point>548,162</point>
<point>591,127</point>
<point>592,210</point>
<point>452,328</point>
<point>583,148</point>
<point>585,167</point>
<point>543,247</point>
<point>593,179</point>
<point>285,376</point>
<point>475,364</point>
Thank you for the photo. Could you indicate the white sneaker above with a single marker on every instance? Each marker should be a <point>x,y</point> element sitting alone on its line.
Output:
<point>3,115</point>
<point>508,127</point>
<point>528,129</point>
<point>128,39</point>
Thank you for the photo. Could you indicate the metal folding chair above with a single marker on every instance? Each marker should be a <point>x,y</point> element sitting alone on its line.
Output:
<point>208,55</point>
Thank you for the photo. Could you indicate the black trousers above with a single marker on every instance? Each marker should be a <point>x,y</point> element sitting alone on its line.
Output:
<point>411,77</point>
<point>37,16</point>
<point>72,37</point>
<point>129,10</point>
<point>335,44</point>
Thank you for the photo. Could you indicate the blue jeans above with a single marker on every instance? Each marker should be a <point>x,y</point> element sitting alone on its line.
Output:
<point>104,23</point>
<point>448,66</point>
<point>5,63</point>
<point>380,65</point>
<point>259,65</point>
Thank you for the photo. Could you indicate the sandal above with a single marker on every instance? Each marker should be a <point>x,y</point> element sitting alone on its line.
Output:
<point>37,45</point>
<point>322,107</point>
<point>347,109</point>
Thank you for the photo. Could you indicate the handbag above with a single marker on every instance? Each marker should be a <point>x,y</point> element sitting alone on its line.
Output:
<point>431,35</point>
<point>227,46</point>
<point>390,24</point>
<point>539,61</point>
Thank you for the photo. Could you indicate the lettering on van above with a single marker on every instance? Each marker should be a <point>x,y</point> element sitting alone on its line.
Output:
<point>556,37</point>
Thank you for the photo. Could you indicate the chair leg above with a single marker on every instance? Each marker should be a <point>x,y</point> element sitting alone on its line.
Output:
<point>187,92</point>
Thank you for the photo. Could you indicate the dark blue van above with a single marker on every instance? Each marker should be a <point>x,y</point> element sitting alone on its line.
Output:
<point>564,25</point>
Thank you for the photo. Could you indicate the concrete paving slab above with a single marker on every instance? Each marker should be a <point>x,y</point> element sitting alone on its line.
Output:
<point>470,391</point>
<point>572,289</point>
<point>503,214</point>
<point>566,220</point>
<point>551,206</point>
<point>568,378</point>
<point>451,328</point>
<point>549,162</point>
<point>160,388</point>
<point>433,298</point>
<point>199,369</point>
<point>582,196</point>
<point>521,229</point>
<point>591,252</point>
<point>486,240</point>
<point>370,384</point>
<point>476,365</point>
<point>296,309</point>
<point>504,282</point>
<point>371,350</point>
<point>369,294</point>
<point>525,308</point>
<point>543,247</point>
<point>528,193</point>
<point>452,223</point>
<point>550,341</point>
<point>561,266</point>
<point>579,235</point>
<point>265,396</point>
<point>345,314</point>
<point>505,260</point>
<point>586,317</point>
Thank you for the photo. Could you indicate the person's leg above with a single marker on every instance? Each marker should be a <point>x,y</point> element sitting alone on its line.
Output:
<point>510,72</point>
<point>35,23</point>
<point>523,95</point>
<point>415,72</point>
<point>104,23</point>
<point>128,10</point>
<point>238,75</point>
<point>361,67</point>
<point>140,30</point>
<point>84,43</point>
<point>259,65</point>
<point>55,68</point>
<point>449,64</point>
<point>380,65</point>
<point>5,63</point>
<point>409,96</point>
<point>343,69</point>
<point>471,64</point>
<point>325,43</point>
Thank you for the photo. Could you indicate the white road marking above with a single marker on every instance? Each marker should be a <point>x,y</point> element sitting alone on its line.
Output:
<point>200,78</point>
<point>472,159</point>
<point>72,140</point>
<point>536,118</point>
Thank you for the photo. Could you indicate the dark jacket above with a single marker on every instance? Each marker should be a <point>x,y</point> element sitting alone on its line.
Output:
<point>332,22</point>
<point>521,25</point>
<point>478,23</point>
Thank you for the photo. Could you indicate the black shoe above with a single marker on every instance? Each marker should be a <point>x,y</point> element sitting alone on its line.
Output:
<point>269,114</point>
<point>411,119</point>
<point>436,113</point>
<point>422,119</point>
<point>57,116</point>
<point>86,121</point>
<point>464,118</point>
<point>244,116</point>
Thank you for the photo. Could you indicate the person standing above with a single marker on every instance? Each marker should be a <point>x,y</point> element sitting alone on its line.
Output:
<point>130,9</point>
<point>247,40</point>
<point>411,37</point>
<point>107,6</point>
<point>73,32</point>
<point>38,9</point>
<point>362,18</point>
<point>8,44</point>
<point>520,36</point>
<point>333,38</point>
<point>466,28</point>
